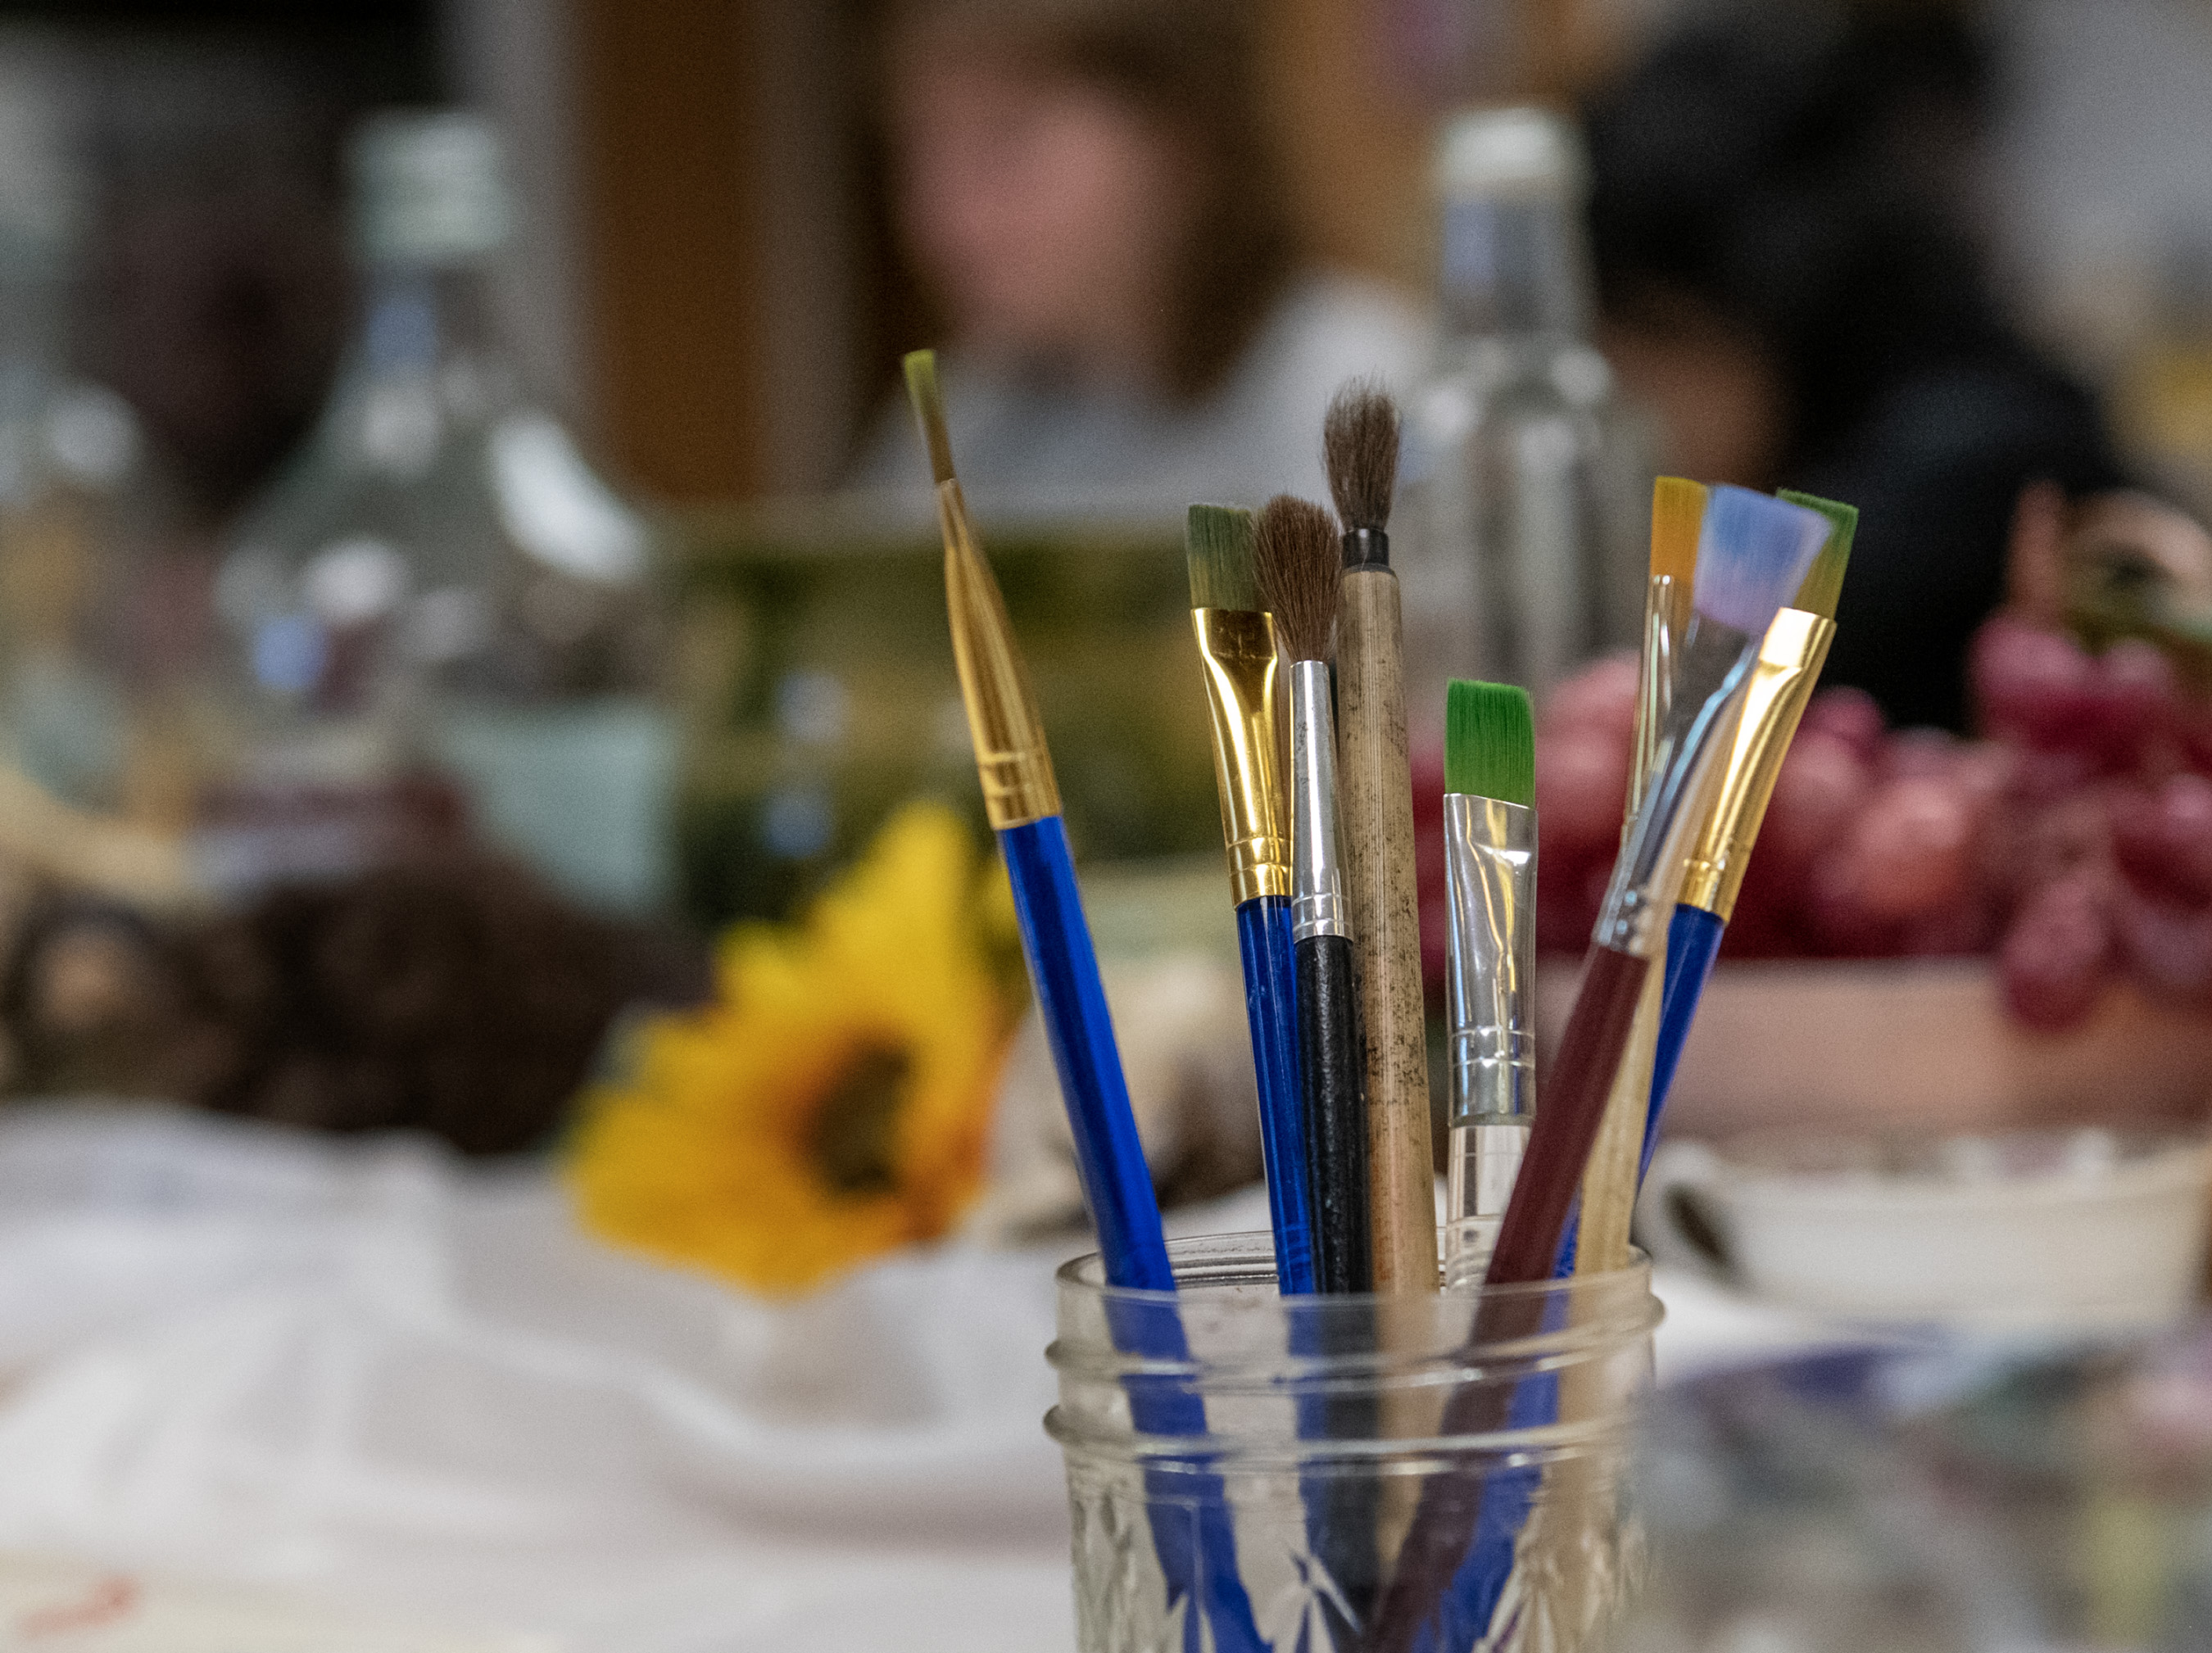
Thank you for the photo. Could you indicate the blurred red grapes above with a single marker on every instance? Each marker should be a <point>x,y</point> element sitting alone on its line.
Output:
<point>2073,842</point>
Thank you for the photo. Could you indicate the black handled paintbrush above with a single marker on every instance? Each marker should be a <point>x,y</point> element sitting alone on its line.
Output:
<point>1296,563</point>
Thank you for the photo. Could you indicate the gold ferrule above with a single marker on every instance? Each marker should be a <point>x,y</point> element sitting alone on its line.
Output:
<point>1237,649</point>
<point>1011,757</point>
<point>1782,683</point>
<point>1654,689</point>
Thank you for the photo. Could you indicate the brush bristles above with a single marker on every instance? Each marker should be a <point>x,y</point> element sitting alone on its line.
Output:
<point>1678,507</point>
<point>1752,554</point>
<point>1824,586</point>
<point>928,401</point>
<point>1359,444</point>
<point>1299,573</point>
<point>1217,548</point>
<point>1489,742</point>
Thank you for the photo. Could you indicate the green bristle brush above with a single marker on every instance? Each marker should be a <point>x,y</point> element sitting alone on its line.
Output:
<point>1489,884</point>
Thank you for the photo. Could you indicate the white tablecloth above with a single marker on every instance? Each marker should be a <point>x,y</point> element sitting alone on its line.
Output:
<point>361,1376</point>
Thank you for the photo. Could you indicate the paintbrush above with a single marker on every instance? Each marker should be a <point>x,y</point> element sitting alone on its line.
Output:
<point>1678,512</point>
<point>1490,972</point>
<point>1599,1238</point>
<point>1599,1241</point>
<point>1022,799</point>
<point>1754,552</point>
<point>1297,564</point>
<point>1236,646</point>
<point>1375,798</point>
<point>1782,685</point>
<point>1298,575</point>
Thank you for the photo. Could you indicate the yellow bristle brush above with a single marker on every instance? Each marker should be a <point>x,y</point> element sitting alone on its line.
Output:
<point>1608,1195</point>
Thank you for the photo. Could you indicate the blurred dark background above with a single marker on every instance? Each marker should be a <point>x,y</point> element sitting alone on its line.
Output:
<point>708,287</point>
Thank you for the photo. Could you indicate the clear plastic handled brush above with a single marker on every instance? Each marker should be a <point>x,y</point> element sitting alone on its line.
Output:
<point>1489,951</point>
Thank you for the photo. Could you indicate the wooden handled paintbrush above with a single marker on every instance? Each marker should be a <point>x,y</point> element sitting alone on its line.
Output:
<point>1753,553</point>
<point>1375,791</point>
<point>1609,1191</point>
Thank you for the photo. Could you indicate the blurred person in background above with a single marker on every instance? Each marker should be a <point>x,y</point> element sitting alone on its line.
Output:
<point>1776,221</point>
<point>1084,189</point>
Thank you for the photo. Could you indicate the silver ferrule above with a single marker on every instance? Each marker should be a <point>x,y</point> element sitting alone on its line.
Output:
<point>1489,959</point>
<point>1711,668</point>
<point>1317,905</point>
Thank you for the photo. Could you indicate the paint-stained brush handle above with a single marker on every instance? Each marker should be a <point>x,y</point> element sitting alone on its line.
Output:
<point>1374,819</point>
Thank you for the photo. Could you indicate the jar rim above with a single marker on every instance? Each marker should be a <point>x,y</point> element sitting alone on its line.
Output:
<point>1253,1264</point>
<point>1454,1335</point>
<point>1142,1372</point>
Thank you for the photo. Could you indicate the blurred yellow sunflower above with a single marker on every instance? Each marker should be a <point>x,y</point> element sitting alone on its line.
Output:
<point>834,1102</point>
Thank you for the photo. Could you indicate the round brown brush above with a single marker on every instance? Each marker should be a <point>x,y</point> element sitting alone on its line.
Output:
<point>1376,807</point>
<point>1296,563</point>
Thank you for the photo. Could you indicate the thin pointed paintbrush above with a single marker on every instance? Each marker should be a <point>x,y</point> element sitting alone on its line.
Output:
<point>1297,572</point>
<point>1376,791</point>
<point>1753,553</point>
<point>1236,646</point>
<point>1022,799</point>
<point>1490,952</point>
<point>1782,685</point>
<point>1609,1191</point>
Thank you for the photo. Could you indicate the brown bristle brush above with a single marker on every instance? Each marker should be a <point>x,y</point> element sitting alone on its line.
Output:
<point>1297,565</point>
<point>1375,802</point>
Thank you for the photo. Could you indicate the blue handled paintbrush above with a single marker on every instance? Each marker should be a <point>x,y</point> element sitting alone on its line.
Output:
<point>1782,683</point>
<point>1022,798</point>
<point>1198,1560</point>
<point>1236,646</point>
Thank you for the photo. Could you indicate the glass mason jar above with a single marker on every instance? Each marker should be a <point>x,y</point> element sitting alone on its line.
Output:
<point>1442,1472</point>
